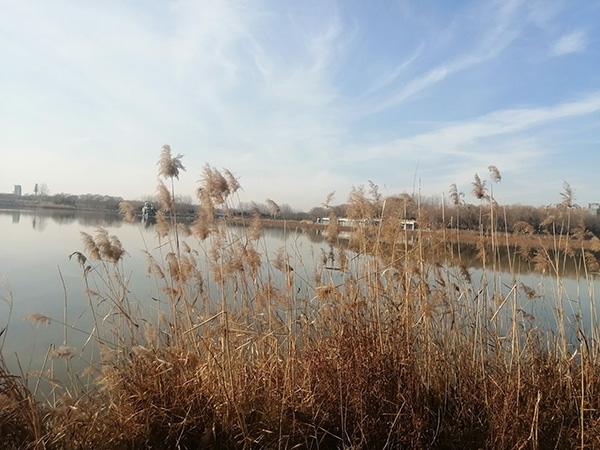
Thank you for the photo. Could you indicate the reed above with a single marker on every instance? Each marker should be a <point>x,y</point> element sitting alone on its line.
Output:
<point>382,346</point>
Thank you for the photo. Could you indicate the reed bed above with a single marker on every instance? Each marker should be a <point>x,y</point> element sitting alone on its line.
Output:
<point>382,347</point>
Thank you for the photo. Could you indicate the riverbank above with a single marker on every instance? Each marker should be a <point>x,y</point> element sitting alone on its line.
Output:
<point>546,241</point>
<point>30,205</point>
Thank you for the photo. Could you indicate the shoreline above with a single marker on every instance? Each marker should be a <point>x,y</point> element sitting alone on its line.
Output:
<point>451,235</point>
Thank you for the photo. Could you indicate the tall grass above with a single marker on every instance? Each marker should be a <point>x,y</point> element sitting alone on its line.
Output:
<point>382,347</point>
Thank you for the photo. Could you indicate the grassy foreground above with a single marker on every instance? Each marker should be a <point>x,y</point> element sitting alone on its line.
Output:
<point>382,348</point>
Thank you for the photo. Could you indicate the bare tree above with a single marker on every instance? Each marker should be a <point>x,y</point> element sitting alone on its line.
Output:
<point>43,190</point>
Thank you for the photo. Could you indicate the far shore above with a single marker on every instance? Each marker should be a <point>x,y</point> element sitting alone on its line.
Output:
<point>548,242</point>
<point>29,205</point>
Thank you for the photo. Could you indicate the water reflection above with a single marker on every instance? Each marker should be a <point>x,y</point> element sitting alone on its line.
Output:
<point>283,233</point>
<point>502,258</point>
<point>515,260</point>
<point>39,222</point>
<point>40,217</point>
<point>148,222</point>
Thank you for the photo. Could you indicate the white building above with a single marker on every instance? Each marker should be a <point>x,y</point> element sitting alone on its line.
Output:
<point>407,224</point>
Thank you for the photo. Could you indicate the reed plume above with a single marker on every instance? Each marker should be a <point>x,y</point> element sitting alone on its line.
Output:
<point>359,206</point>
<point>64,351</point>
<point>202,224</point>
<point>127,210</point>
<point>495,174</point>
<point>168,165</point>
<point>232,182</point>
<point>109,247</point>
<point>523,228</point>
<point>333,228</point>
<point>162,225</point>
<point>328,199</point>
<point>90,246</point>
<point>455,196</point>
<point>80,257</point>
<point>255,229</point>
<point>38,318</point>
<point>208,207</point>
<point>164,197</point>
<point>214,185</point>
<point>479,189</point>
<point>273,208</point>
<point>568,196</point>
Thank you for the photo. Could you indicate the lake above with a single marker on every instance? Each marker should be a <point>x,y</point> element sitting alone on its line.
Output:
<point>37,276</point>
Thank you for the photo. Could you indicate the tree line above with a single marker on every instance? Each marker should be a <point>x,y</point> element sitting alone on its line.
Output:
<point>449,210</point>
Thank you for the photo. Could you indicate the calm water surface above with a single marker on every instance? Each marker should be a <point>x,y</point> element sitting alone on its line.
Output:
<point>37,276</point>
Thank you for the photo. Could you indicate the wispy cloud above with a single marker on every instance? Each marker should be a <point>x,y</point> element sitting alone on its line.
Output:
<point>574,42</point>
<point>389,77</point>
<point>543,13</point>
<point>285,91</point>
<point>453,153</point>
<point>458,139</point>
<point>498,35</point>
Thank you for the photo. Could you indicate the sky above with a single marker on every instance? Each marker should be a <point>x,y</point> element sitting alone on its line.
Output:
<point>302,98</point>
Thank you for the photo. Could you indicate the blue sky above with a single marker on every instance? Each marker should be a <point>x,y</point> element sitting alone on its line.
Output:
<point>299,99</point>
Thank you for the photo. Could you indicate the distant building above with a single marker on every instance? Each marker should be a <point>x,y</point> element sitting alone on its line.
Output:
<point>409,224</point>
<point>594,209</point>
<point>17,192</point>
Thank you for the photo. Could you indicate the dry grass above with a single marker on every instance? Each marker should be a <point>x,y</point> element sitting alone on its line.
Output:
<point>402,351</point>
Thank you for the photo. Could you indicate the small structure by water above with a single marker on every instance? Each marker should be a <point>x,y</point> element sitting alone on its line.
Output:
<point>148,211</point>
<point>407,224</point>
